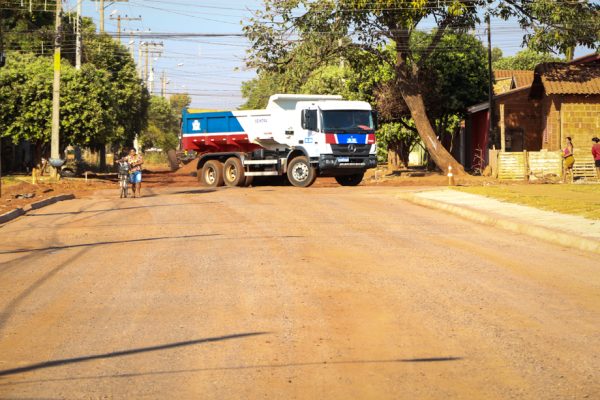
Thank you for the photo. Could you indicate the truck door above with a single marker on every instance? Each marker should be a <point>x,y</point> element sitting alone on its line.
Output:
<point>310,131</point>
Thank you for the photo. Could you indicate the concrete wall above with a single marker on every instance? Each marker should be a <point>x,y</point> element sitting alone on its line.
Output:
<point>580,120</point>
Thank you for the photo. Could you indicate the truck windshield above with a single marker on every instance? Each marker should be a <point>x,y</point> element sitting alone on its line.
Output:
<point>347,120</point>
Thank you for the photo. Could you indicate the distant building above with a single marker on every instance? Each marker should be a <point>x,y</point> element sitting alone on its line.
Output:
<point>538,109</point>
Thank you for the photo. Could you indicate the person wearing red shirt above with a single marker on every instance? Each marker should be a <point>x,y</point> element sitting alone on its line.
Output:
<point>596,154</point>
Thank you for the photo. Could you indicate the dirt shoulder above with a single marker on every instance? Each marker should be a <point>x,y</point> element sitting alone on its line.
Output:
<point>22,193</point>
<point>18,191</point>
<point>582,200</point>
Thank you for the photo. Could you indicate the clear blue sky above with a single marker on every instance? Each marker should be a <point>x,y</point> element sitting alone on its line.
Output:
<point>211,70</point>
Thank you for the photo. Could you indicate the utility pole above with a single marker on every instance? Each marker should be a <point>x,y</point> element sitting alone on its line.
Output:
<point>163,84</point>
<point>132,44</point>
<point>150,50</point>
<point>101,8</point>
<point>125,18</point>
<point>54,142</point>
<point>101,16</point>
<point>78,38</point>
<point>146,63</point>
<point>2,60</point>
<point>140,69</point>
<point>492,140</point>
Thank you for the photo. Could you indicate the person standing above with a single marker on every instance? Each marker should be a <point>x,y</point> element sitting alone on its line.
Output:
<point>596,154</point>
<point>135,172</point>
<point>569,160</point>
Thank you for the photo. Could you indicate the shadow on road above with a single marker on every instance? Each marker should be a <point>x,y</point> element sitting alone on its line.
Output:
<point>194,191</point>
<point>65,361</point>
<point>72,246</point>
<point>232,368</point>
<point>114,209</point>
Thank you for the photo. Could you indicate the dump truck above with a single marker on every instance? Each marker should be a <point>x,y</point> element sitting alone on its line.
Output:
<point>297,136</point>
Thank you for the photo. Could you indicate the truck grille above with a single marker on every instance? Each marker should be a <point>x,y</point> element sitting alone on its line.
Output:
<point>342,150</point>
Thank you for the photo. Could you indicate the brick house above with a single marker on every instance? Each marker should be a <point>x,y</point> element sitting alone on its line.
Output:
<point>512,104</point>
<point>560,100</point>
<point>569,95</point>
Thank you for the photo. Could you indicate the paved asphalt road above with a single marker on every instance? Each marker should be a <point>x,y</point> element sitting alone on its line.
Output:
<point>285,293</point>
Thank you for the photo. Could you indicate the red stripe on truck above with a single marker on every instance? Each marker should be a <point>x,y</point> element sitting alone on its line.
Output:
<point>330,138</point>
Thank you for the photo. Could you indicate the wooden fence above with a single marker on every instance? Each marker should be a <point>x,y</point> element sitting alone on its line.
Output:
<point>584,166</point>
<point>535,165</point>
<point>543,164</point>
<point>512,165</point>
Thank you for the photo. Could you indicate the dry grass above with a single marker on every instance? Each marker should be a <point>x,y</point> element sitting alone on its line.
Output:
<point>583,200</point>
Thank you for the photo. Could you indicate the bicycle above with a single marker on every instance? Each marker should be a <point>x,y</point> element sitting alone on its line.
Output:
<point>123,173</point>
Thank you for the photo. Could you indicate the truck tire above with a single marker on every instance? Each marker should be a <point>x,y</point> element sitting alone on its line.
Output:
<point>233,172</point>
<point>300,173</point>
<point>212,174</point>
<point>350,180</point>
<point>248,181</point>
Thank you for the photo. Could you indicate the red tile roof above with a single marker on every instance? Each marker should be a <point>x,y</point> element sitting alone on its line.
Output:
<point>561,78</point>
<point>520,77</point>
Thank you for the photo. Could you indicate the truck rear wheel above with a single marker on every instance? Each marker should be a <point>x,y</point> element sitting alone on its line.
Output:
<point>233,172</point>
<point>212,174</point>
<point>350,180</point>
<point>300,173</point>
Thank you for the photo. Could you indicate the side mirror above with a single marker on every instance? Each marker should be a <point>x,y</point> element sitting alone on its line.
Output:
<point>375,116</point>
<point>305,119</point>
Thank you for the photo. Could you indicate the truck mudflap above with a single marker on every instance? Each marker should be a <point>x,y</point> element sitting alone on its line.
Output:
<point>329,163</point>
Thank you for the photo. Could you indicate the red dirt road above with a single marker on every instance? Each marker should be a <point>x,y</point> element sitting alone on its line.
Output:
<point>284,293</point>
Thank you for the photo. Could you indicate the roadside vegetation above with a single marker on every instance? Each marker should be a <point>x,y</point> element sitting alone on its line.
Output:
<point>420,82</point>
<point>103,104</point>
<point>582,200</point>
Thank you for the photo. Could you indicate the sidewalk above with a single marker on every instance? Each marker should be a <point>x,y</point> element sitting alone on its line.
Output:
<point>566,230</point>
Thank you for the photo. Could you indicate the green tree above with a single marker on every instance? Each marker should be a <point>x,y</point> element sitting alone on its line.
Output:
<point>25,31</point>
<point>257,90</point>
<point>179,101</point>
<point>86,115</point>
<point>452,81</point>
<point>163,126</point>
<point>372,24</point>
<point>525,60</point>
<point>103,102</point>
<point>130,97</point>
<point>496,54</point>
<point>399,138</point>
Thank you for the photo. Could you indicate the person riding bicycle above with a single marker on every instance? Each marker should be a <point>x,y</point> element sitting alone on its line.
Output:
<point>135,172</point>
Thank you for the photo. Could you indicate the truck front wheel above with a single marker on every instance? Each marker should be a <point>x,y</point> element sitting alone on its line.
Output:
<point>350,180</point>
<point>233,172</point>
<point>212,174</point>
<point>300,173</point>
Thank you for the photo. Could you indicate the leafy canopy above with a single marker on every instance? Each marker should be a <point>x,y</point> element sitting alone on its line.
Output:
<point>163,125</point>
<point>525,60</point>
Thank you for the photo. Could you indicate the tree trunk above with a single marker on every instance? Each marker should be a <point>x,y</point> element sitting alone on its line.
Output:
<point>173,163</point>
<point>393,160</point>
<point>102,157</point>
<point>408,84</point>
<point>442,158</point>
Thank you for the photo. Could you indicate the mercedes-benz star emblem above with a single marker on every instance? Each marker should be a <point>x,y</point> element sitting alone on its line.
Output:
<point>352,148</point>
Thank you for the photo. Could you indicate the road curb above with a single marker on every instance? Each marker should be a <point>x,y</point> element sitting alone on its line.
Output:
<point>51,200</point>
<point>538,232</point>
<point>17,212</point>
<point>9,216</point>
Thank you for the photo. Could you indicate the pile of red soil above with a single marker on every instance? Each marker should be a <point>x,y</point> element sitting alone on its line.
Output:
<point>23,193</point>
<point>188,169</point>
